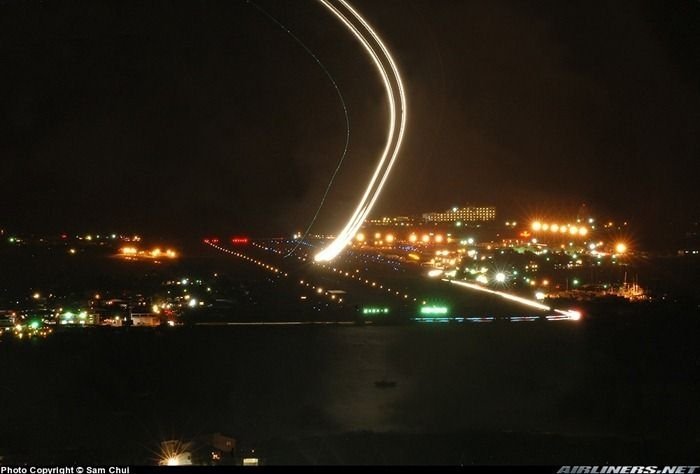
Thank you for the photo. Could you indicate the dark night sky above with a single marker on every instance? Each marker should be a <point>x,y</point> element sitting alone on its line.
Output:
<point>189,117</point>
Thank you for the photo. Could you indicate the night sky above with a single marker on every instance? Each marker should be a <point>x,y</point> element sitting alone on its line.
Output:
<point>191,117</point>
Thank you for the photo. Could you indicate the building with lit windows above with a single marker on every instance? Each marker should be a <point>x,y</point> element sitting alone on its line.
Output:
<point>463,214</point>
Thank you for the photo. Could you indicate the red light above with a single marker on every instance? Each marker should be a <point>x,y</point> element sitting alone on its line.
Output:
<point>239,240</point>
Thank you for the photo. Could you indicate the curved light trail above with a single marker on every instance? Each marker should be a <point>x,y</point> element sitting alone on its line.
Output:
<point>389,73</point>
<point>345,114</point>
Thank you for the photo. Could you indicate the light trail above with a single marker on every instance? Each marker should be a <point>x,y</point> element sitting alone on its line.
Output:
<point>345,114</point>
<point>507,296</point>
<point>389,73</point>
<point>565,314</point>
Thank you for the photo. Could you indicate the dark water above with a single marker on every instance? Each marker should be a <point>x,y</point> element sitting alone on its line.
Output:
<point>111,395</point>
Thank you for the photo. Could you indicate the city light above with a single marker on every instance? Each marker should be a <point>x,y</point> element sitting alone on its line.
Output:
<point>130,252</point>
<point>620,247</point>
<point>552,227</point>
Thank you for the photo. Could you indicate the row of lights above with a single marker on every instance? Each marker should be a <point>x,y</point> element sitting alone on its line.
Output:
<point>366,281</point>
<point>391,238</point>
<point>319,290</point>
<point>538,226</point>
<point>355,275</point>
<point>260,263</point>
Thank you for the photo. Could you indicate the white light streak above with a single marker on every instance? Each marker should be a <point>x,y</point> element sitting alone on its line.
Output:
<point>389,73</point>
<point>507,296</point>
<point>565,314</point>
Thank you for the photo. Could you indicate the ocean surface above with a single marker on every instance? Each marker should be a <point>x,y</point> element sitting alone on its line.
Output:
<point>624,386</point>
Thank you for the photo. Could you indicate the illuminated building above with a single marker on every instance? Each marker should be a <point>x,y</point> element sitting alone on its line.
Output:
<point>463,214</point>
<point>145,319</point>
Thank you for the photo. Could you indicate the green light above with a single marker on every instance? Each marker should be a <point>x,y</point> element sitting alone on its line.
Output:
<point>82,315</point>
<point>433,310</point>
<point>34,325</point>
<point>375,310</point>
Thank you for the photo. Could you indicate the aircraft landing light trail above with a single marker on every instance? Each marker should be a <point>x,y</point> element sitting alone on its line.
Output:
<point>389,73</point>
<point>566,314</point>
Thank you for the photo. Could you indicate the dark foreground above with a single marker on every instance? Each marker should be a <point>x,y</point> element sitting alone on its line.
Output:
<point>614,391</point>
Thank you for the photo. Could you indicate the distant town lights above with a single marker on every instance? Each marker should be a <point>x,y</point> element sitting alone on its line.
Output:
<point>574,230</point>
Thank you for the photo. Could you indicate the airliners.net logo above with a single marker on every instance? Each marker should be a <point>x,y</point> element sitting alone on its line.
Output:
<point>628,470</point>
